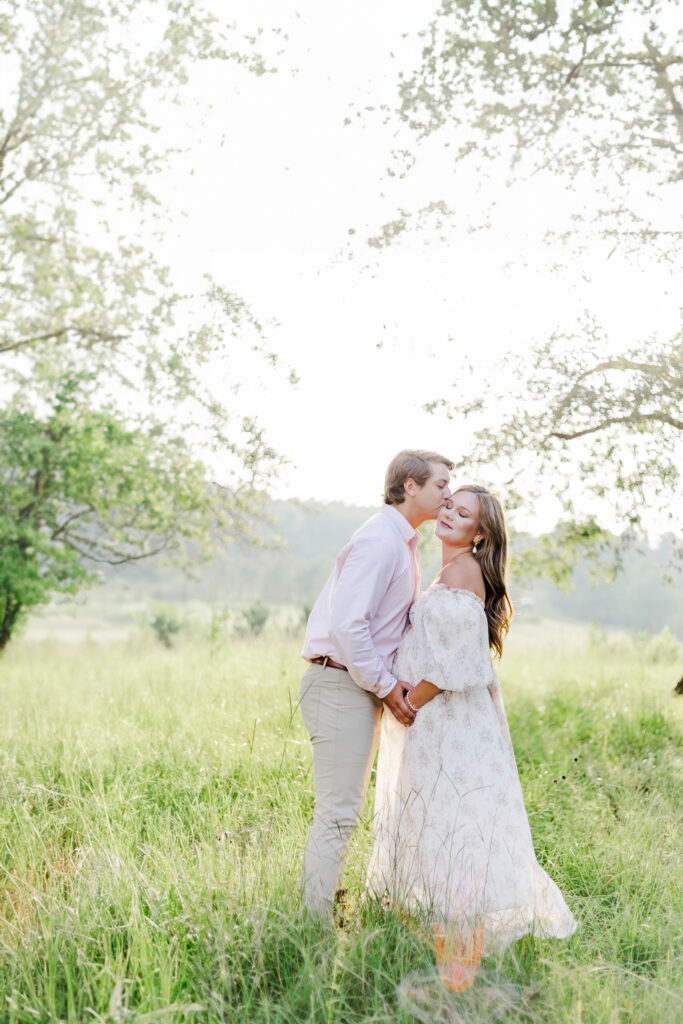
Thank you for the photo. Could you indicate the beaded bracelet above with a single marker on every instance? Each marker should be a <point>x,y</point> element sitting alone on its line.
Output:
<point>410,703</point>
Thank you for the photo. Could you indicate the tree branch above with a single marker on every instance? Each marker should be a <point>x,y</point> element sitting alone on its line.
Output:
<point>32,341</point>
<point>117,559</point>
<point>86,333</point>
<point>664,82</point>
<point>70,519</point>
<point>611,421</point>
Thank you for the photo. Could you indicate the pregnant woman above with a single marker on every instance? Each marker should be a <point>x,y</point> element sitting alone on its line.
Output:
<point>452,839</point>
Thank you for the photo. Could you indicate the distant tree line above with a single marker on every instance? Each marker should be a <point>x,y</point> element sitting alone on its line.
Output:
<point>640,598</point>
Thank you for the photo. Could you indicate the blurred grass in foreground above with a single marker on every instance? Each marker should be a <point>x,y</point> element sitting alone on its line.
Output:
<point>155,805</point>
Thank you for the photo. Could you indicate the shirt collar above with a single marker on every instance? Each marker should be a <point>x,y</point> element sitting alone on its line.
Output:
<point>400,523</point>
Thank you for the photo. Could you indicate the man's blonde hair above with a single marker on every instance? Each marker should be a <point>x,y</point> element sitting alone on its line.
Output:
<point>414,464</point>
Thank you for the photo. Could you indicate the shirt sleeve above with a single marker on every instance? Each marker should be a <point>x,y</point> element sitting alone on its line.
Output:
<point>363,581</point>
<point>451,647</point>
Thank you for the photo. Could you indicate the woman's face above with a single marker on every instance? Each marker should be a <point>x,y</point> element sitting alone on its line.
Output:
<point>457,521</point>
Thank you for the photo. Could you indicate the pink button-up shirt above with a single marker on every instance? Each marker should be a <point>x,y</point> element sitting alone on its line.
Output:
<point>362,611</point>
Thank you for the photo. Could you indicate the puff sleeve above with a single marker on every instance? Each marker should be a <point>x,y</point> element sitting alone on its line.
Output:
<point>448,641</point>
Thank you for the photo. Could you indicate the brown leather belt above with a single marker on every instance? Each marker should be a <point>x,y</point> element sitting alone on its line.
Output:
<point>327,662</point>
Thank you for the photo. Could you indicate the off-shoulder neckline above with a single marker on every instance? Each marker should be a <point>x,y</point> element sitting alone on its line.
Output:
<point>459,590</point>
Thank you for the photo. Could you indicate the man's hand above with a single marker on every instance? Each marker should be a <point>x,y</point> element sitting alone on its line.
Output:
<point>395,701</point>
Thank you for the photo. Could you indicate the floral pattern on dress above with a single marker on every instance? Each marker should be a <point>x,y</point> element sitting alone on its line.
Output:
<point>452,838</point>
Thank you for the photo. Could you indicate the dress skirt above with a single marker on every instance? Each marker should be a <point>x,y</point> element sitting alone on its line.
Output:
<point>452,837</point>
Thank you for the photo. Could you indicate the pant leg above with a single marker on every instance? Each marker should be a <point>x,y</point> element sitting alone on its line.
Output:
<point>343,722</point>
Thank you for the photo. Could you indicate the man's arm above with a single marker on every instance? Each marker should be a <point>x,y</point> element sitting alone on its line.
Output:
<point>362,583</point>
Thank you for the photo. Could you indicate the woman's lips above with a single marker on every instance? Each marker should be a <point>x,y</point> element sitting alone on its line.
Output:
<point>447,525</point>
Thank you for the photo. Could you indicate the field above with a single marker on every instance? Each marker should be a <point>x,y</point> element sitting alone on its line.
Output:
<point>155,805</point>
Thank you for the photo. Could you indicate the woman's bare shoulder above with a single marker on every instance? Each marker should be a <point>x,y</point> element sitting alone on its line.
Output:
<point>464,574</point>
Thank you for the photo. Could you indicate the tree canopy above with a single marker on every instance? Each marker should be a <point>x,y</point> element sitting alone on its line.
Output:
<point>599,433</point>
<point>118,387</point>
<point>590,93</point>
<point>594,95</point>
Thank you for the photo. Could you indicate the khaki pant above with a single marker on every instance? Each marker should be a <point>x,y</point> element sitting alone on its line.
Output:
<point>343,722</point>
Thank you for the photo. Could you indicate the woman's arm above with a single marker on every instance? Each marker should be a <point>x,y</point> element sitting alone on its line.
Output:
<point>422,693</point>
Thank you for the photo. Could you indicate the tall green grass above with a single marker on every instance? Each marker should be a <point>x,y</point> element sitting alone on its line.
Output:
<point>154,807</point>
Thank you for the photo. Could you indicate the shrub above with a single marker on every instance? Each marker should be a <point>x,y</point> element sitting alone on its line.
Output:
<point>165,623</point>
<point>253,619</point>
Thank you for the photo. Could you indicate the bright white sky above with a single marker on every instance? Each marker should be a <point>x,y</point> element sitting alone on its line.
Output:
<point>272,185</point>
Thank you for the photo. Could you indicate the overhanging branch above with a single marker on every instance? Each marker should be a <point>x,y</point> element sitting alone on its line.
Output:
<point>113,559</point>
<point>88,334</point>
<point>611,421</point>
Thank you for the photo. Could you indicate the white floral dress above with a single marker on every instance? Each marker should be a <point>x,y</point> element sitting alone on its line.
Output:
<point>452,838</point>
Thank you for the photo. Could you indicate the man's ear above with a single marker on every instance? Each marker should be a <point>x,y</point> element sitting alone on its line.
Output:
<point>410,487</point>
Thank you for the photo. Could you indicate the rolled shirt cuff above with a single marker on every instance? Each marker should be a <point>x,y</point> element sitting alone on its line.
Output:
<point>385,684</point>
<point>380,688</point>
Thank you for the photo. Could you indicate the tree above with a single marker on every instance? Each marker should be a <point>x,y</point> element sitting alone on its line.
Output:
<point>590,93</point>
<point>111,413</point>
<point>585,426</point>
<point>79,489</point>
<point>594,95</point>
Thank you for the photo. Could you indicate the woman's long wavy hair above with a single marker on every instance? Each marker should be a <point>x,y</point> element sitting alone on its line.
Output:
<point>493,558</point>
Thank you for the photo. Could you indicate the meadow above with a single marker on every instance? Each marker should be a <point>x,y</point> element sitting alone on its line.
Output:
<point>155,805</point>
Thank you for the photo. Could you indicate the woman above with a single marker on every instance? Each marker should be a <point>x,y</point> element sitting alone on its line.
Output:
<point>452,839</point>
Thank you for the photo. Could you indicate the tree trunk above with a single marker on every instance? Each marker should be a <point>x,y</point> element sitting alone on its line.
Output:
<point>10,609</point>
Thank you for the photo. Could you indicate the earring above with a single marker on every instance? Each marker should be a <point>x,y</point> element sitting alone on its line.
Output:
<point>477,540</point>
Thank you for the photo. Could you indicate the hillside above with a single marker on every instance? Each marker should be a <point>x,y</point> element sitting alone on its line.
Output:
<point>313,533</point>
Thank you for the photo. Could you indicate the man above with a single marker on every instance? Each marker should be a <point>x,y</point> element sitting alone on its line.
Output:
<point>351,638</point>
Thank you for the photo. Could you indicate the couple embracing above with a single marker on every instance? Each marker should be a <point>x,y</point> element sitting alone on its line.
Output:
<point>413,672</point>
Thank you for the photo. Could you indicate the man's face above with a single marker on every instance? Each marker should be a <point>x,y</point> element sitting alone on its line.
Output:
<point>434,492</point>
